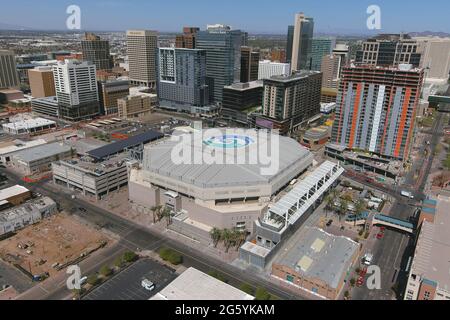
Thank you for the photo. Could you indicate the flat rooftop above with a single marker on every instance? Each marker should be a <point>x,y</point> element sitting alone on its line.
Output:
<point>12,191</point>
<point>96,168</point>
<point>318,254</point>
<point>239,86</point>
<point>298,75</point>
<point>193,284</point>
<point>42,151</point>
<point>431,259</point>
<point>17,145</point>
<point>29,123</point>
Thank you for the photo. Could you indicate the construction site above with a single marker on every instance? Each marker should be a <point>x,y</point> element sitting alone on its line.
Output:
<point>42,249</point>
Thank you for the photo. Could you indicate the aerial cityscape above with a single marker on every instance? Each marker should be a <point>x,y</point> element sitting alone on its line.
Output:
<point>156,158</point>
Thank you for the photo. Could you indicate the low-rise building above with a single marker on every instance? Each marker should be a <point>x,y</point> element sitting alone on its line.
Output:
<point>110,92</point>
<point>47,106</point>
<point>29,126</point>
<point>94,179</point>
<point>268,69</point>
<point>40,158</point>
<point>15,195</point>
<point>317,263</point>
<point>26,214</point>
<point>193,284</point>
<point>135,106</point>
<point>8,149</point>
<point>241,96</point>
<point>315,138</point>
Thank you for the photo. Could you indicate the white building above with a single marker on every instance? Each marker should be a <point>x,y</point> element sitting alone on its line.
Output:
<point>29,126</point>
<point>29,213</point>
<point>268,69</point>
<point>76,89</point>
<point>193,284</point>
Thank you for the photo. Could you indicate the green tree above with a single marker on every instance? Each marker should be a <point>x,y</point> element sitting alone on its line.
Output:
<point>155,210</point>
<point>352,282</point>
<point>343,208</point>
<point>118,262</point>
<point>227,238</point>
<point>360,206</point>
<point>167,214</point>
<point>215,234</point>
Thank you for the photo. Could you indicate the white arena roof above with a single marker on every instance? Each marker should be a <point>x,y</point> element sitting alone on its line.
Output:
<point>158,159</point>
<point>193,284</point>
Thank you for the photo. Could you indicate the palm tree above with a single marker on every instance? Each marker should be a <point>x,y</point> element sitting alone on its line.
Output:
<point>227,238</point>
<point>329,203</point>
<point>215,234</point>
<point>360,206</point>
<point>343,208</point>
<point>167,213</point>
<point>241,237</point>
<point>155,210</point>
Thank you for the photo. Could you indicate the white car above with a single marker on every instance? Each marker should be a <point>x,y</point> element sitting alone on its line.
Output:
<point>147,285</point>
<point>367,259</point>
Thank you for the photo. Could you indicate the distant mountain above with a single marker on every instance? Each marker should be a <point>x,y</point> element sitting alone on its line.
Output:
<point>429,33</point>
<point>5,26</point>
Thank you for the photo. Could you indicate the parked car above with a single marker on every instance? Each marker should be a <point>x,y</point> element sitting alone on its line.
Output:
<point>329,223</point>
<point>360,281</point>
<point>147,285</point>
<point>380,236</point>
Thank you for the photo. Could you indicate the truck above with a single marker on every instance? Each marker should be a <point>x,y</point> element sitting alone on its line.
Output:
<point>407,194</point>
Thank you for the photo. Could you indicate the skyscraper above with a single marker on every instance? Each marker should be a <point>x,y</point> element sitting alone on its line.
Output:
<point>341,51</point>
<point>330,71</point>
<point>42,83</point>
<point>376,109</point>
<point>188,38</point>
<point>142,52</point>
<point>290,40</point>
<point>320,47</point>
<point>76,89</point>
<point>96,50</point>
<point>182,78</point>
<point>288,101</point>
<point>223,57</point>
<point>301,42</point>
<point>9,78</point>
<point>249,64</point>
<point>389,50</point>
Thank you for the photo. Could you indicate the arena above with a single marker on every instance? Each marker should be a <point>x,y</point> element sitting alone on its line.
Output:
<point>180,173</point>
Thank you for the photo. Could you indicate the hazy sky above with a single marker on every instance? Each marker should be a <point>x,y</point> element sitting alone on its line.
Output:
<point>267,16</point>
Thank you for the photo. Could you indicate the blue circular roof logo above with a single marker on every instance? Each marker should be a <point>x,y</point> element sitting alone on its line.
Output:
<point>229,141</point>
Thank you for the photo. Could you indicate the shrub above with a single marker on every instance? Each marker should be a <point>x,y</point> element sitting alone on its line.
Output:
<point>218,276</point>
<point>93,280</point>
<point>175,258</point>
<point>105,271</point>
<point>247,288</point>
<point>118,262</point>
<point>129,256</point>
<point>262,294</point>
<point>352,282</point>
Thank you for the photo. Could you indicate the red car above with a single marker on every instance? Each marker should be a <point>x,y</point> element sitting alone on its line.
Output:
<point>380,235</point>
<point>363,272</point>
<point>360,281</point>
<point>382,229</point>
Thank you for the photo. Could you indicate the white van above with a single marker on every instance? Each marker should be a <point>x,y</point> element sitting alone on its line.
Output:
<point>147,285</point>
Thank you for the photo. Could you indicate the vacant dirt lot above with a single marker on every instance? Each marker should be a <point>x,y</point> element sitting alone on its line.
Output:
<point>57,239</point>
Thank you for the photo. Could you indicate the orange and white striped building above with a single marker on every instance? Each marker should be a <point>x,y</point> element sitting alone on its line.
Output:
<point>376,109</point>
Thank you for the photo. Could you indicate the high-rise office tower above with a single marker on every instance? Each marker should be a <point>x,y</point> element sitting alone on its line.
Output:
<point>188,38</point>
<point>376,109</point>
<point>320,47</point>
<point>76,89</point>
<point>290,40</point>
<point>389,50</point>
<point>288,101</point>
<point>9,78</point>
<point>42,83</point>
<point>96,50</point>
<point>330,71</point>
<point>142,51</point>
<point>342,52</point>
<point>223,57</point>
<point>249,64</point>
<point>182,78</point>
<point>301,42</point>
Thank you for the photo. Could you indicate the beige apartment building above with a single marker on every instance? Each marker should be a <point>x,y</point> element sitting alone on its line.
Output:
<point>42,83</point>
<point>136,106</point>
